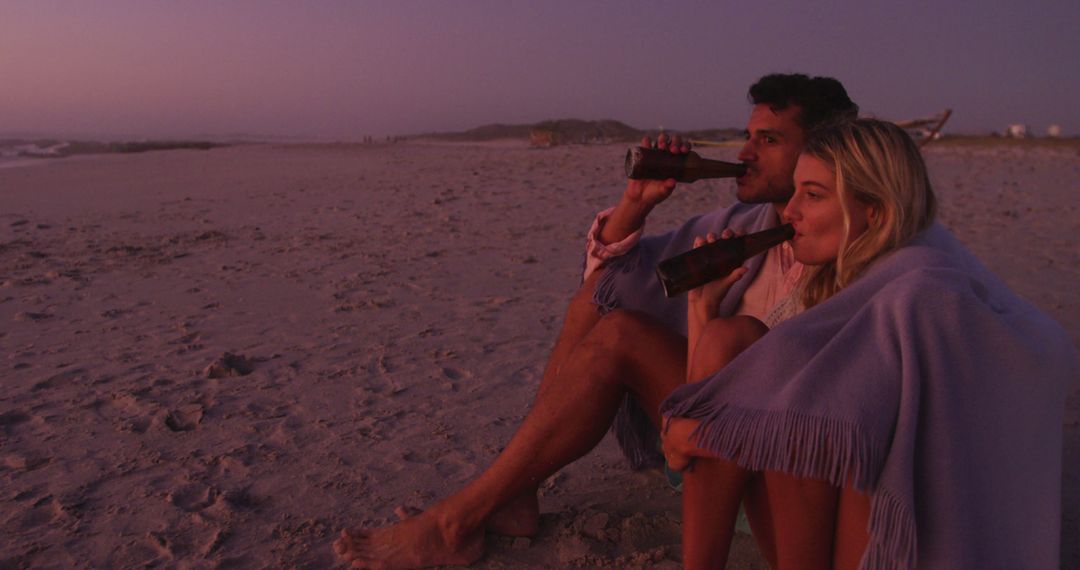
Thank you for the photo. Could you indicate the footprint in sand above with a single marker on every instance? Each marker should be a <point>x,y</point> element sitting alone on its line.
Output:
<point>454,467</point>
<point>230,365</point>
<point>66,378</point>
<point>193,497</point>
<point>245,498</point>
<point>24,461</point>
<point>186,418</point>
<point>151,550</point>
<point>11,421</point>
<point>126,412</point>
<point>454,374</point>
<point>43,512</point>
<point>32,316</point>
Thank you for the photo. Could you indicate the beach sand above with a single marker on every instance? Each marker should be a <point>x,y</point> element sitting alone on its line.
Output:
<point>221,358</point>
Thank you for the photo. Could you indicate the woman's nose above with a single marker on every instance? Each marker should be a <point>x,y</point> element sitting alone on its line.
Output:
<point>791,211</point>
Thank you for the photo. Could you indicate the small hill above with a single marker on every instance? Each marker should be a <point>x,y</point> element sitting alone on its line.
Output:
<point>575,131</point>
<point>570,130</point>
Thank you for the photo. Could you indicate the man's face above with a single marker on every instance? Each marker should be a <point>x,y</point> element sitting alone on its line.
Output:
<point>774,140</point>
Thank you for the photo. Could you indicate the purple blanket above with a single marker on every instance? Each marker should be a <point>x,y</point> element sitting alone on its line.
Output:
<point>927,384</point>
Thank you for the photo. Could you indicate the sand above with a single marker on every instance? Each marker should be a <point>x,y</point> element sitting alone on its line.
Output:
<point>220,358</point>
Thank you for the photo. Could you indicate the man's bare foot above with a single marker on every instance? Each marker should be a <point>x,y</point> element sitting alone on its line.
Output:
<point>417,541</point>
<point>520,517</point>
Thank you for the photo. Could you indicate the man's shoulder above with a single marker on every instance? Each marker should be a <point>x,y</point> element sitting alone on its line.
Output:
<point>737,216</point>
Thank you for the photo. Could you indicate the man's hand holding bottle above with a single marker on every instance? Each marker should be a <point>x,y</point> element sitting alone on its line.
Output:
<point>641,196</point>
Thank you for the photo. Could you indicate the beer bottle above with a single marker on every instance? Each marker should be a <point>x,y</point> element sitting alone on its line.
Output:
<point>655,164</point>
<point>714,260</point>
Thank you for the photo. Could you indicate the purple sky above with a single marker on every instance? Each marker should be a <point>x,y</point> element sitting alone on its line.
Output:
<point>342,70</point>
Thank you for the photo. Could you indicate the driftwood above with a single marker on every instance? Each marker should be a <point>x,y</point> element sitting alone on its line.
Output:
<point>937,121</point>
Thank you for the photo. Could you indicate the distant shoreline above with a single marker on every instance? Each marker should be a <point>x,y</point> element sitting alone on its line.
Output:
<point>54,148</point>
<point>21,152</point>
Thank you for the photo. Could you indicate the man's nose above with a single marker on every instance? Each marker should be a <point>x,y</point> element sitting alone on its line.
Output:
<point>746,153</point>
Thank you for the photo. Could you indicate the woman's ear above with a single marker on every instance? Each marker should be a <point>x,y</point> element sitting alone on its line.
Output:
<point>873,214</point>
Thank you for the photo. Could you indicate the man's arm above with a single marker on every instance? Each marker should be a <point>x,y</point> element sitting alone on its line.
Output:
<point>641,196</point>
<point>616,231</point>
<point>597,253</point>
<point>627,217</point>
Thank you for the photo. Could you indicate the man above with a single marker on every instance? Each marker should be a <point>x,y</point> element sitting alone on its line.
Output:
<point>621,340</point>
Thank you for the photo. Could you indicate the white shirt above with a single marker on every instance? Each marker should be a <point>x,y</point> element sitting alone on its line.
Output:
<point>763,299</point>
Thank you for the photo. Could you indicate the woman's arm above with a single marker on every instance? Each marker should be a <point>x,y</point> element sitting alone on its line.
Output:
<point>703,302</point>
<point>679,448</point>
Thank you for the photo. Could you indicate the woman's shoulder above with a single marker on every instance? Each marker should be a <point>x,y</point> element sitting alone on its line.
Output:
<point>936,277</point>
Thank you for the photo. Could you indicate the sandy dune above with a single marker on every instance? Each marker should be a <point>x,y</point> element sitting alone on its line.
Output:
<point>220,358</point>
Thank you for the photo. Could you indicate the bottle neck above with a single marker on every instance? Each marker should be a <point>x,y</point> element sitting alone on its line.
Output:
<point>758,242</point>
<point>721,169</point>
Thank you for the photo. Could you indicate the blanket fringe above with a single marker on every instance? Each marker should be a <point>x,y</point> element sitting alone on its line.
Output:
<point>638,439</point>
<point>892,534</point>
<point>812,447</point>
<point>605,296</point>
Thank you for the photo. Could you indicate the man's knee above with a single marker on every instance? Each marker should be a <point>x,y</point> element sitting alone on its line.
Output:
<point>621,329</point>
<point>582,304</point>
<point>617,339</point>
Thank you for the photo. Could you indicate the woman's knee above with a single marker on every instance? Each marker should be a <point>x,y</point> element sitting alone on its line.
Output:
<point>723,339</point>
<point>733,334</point>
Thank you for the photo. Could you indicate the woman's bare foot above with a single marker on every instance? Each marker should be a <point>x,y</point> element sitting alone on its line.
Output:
<point>417,541</point>
<point>520,517</point>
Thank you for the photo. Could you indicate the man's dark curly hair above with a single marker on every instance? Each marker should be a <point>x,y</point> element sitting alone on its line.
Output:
<point>822,99</point>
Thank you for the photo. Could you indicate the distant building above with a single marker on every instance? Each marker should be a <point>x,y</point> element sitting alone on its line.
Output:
<point>543,138</point>
<point>1053,131</point>
<point>1016,131</point>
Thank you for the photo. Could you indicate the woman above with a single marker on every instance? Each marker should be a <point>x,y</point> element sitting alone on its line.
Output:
<point>856,432</point>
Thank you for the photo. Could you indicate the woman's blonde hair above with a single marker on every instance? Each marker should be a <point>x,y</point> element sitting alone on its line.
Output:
<point>878,164</point>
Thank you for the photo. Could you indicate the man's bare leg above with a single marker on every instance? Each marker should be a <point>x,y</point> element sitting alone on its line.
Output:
<point>574,408</point>
<point>521,515</point>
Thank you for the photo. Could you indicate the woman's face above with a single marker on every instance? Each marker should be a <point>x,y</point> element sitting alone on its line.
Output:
<point>816,213</point>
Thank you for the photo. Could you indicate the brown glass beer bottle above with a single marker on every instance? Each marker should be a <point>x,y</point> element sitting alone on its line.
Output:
<point>712,261</point>
<point>654,164</point>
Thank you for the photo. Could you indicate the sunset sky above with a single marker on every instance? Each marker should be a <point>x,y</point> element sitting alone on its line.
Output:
<point>343,70</point>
